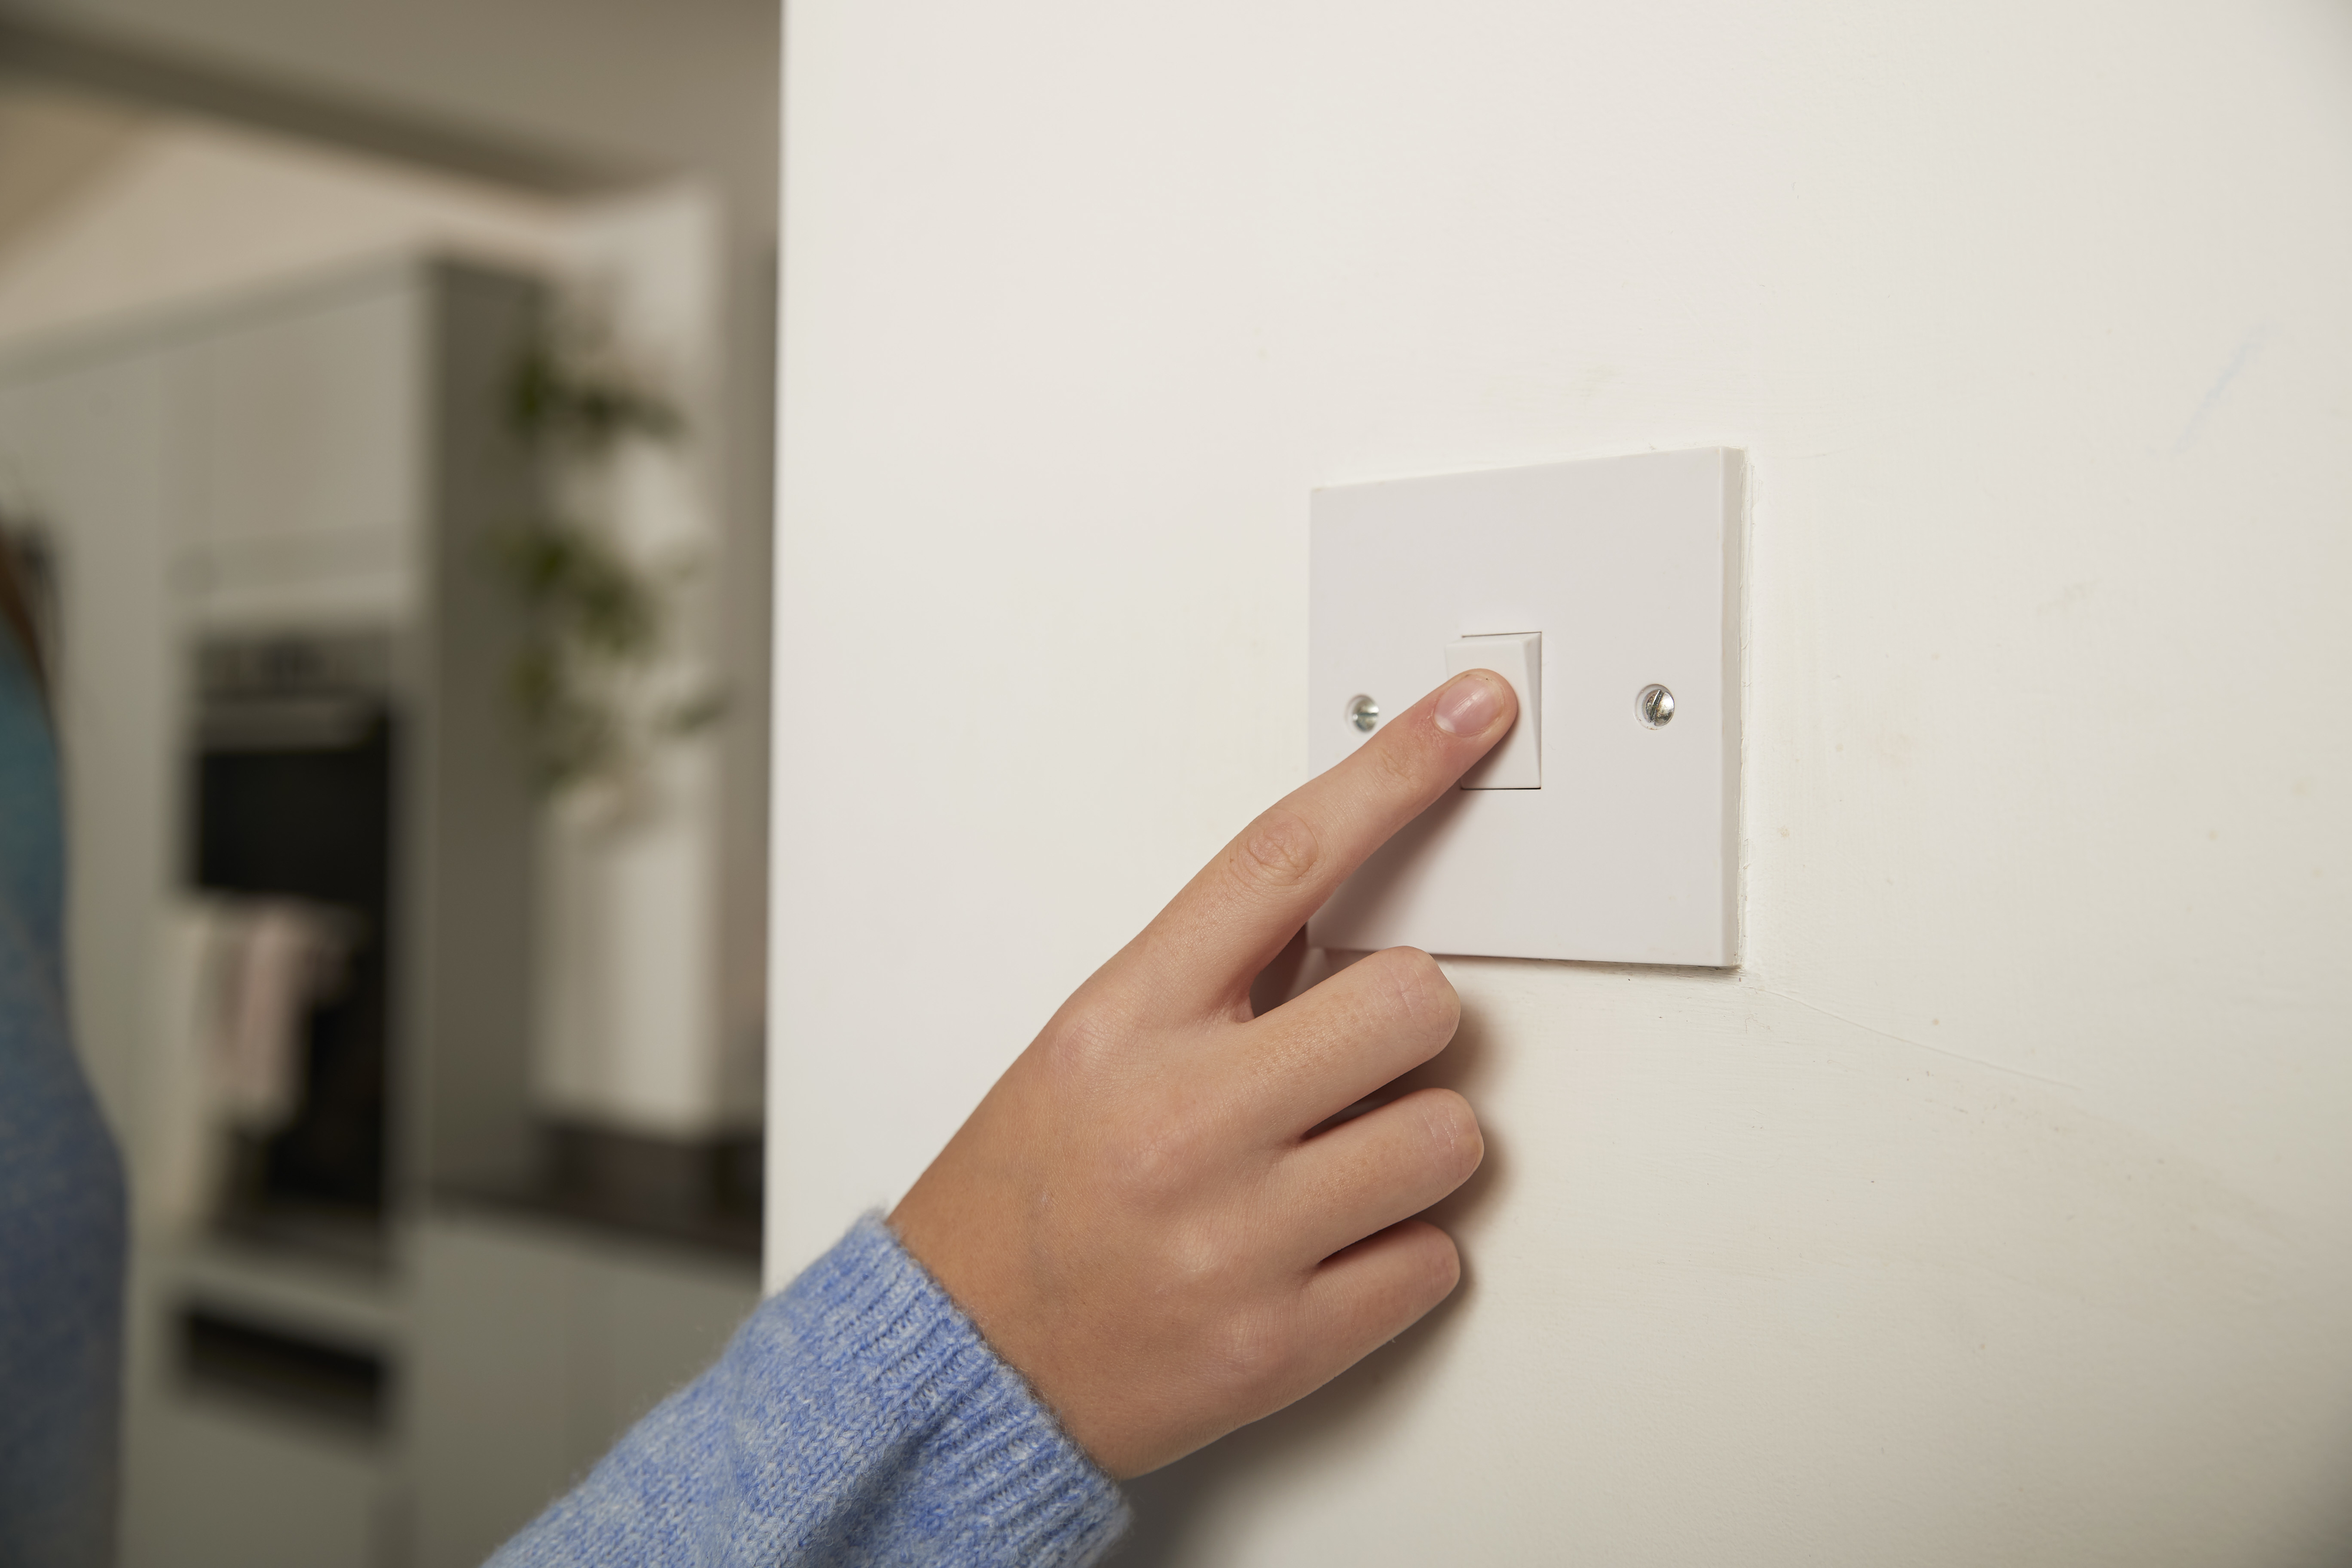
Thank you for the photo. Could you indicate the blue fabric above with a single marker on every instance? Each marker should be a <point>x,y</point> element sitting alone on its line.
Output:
<point>62,1232</point>
<point>858,1418</point>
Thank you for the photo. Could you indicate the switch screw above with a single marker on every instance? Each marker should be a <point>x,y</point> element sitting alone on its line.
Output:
<point>1363,712</point>
<point>1655,707</point>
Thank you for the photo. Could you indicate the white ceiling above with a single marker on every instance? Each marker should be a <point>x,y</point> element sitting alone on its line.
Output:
<point>652,87</point>
<point>52,143</point>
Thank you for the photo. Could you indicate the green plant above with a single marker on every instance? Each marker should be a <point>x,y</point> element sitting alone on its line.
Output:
<point>562,394</point>
<point>595,619</point>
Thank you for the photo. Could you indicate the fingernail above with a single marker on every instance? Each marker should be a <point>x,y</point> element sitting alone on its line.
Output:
<point>1470,705</point>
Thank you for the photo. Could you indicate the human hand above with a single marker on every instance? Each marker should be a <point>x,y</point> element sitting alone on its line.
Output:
<point>1147,1215</point>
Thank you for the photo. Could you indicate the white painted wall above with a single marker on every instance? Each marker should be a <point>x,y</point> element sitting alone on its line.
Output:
<point>1999,1209</point>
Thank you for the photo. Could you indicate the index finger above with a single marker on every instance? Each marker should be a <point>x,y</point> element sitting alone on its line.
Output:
<point>1231,919</point>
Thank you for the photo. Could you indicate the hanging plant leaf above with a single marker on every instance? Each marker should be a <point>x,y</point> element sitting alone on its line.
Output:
<point>558,400</point>
<point>596,620</point>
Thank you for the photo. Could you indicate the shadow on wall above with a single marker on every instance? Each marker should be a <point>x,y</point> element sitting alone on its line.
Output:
<point>1176,1508</point>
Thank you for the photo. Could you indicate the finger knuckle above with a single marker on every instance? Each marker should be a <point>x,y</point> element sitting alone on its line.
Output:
<point>1423,991</point>
<point>1083,1040</point>
<point>1155,1169</point>
<point>1440,1265</point>
<point>1456,1144</point>
<point>1400,766</point>
<point>1253,1349</point>
<point>1091,1049</point>
<point>1278,853</point>
<point>1198,1261</point>
<point>1162,1159</point>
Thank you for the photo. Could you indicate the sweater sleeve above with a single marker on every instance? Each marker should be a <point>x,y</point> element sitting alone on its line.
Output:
<point>856,1417</point>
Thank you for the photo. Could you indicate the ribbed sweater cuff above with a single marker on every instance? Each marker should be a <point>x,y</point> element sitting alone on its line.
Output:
<point>1000,1482</point>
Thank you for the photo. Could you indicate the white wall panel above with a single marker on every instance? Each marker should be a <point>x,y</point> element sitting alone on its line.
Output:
<point>1999,1209</point>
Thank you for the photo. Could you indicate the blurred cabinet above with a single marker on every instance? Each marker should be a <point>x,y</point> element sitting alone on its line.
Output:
<point>287,475</point>
<point>535,1347</point>
<point>513,1350</point>
<point>300,447</point>
<point>244,1489</point>
<point>246,1456</point>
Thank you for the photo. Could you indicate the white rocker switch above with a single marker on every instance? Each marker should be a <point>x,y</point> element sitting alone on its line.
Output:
<point>1516,761</point>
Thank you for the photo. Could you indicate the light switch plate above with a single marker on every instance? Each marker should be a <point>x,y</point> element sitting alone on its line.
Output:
<point>1629,569</point>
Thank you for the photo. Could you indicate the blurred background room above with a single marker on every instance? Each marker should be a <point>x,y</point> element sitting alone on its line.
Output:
<point>384,426</point>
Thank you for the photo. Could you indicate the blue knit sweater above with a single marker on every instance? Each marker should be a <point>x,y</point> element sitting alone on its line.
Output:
<point>858,1418</point>
<point>61,1195</point>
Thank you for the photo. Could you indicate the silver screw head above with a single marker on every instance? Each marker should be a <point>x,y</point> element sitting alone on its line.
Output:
<point>1655,707</point>
<point>1363,712</point>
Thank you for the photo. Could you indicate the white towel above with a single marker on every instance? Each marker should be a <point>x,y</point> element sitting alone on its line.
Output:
<point>179,1179</point>
<point>240,979</point>
<point>276,962</point>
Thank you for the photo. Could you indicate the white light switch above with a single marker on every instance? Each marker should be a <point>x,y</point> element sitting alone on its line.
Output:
<point>1608,826</point>
<point>1516,761</point>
